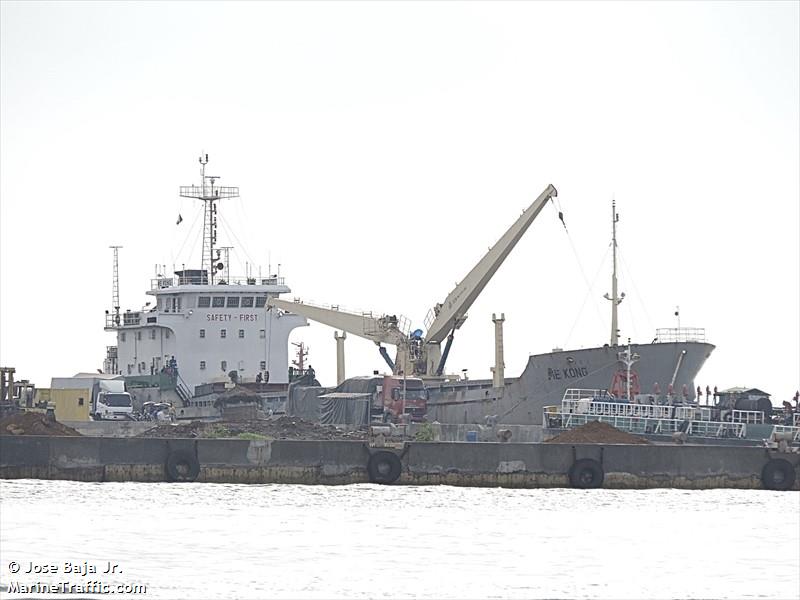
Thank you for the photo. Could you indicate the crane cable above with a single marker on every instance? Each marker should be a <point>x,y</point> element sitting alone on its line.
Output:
<point>187,236</point>
<point>230,232</point>
<point>632,281</point>
<point>590,286</point>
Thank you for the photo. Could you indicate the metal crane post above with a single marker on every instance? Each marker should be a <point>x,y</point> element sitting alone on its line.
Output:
<point>499,363</point>
<point>339,356</point>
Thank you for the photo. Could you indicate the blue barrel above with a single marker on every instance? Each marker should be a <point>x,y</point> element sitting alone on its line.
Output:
<point>472,436</point>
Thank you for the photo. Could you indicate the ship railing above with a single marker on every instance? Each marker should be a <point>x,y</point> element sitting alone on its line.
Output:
<point>209,191</point>
<point>130,319</point>
<point>680,334</point>
<point>747,416</point>
<point>580,394</point>
<point>693,413</point>
<point>702,413</point>
<point>554,419</point>
<point>586,406</point>
<point>717,429</point>
<point>160,283</point>
<point>778,431</point>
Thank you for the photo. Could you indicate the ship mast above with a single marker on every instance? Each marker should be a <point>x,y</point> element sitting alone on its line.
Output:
<point>115,285</point>
<point>209,193</point>
<point>615,298</point>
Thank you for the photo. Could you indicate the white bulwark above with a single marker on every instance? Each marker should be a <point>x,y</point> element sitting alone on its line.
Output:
<point>203,325</point>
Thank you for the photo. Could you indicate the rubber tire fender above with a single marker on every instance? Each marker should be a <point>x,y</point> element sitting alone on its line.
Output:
<point>384,467</point>
<point>586,473</point>
<point>778,474</point>
<point>182,465</point>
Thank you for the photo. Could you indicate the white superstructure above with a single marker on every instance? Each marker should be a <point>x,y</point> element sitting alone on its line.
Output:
<point>209,323</point>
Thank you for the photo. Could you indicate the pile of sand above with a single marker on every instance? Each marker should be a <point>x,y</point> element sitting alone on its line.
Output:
<point>597,432</point>
<point>33,423</point>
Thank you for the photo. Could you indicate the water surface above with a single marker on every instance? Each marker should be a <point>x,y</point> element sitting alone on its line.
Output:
<point>369,541</point>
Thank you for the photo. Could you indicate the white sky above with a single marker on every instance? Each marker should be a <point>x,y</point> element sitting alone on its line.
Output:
<point>380,148</point>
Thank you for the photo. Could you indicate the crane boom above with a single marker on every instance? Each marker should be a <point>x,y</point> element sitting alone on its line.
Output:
<point>381,330</point>
<point>451,313</point>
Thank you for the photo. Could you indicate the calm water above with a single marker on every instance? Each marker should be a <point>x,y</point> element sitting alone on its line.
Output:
<point>366,541</point>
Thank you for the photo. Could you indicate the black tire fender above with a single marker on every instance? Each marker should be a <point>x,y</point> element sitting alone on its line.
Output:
<point>586,473</point>
<point>384,467</point>
<point>182,465</point>
<point>778,474</point>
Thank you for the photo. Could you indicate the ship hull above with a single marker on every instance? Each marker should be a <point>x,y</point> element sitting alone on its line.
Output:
<point>547,376</point>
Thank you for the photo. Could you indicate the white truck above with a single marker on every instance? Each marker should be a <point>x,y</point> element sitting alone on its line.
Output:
<point>109,400</point>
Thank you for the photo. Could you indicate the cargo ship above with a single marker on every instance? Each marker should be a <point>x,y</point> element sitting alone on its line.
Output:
<point>670,361</point>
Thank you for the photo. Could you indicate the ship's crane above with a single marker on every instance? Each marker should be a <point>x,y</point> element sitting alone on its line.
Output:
<point>417,355</point>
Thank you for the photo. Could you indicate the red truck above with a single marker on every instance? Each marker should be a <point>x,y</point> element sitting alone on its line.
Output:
<point>396,396</point>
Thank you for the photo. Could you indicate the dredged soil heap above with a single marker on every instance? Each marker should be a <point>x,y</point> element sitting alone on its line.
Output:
<point>596,432</point>
<point>32,423</point>
<point>282,428</point>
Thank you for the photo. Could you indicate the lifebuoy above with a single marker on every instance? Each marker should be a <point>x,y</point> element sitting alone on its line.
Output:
<point>778,474</point>
<point>182,465</point>
<point>384,467</point>
<point>586,473</point>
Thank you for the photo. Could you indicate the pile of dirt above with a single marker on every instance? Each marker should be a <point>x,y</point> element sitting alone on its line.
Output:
<point>237,395</point>
<point>32,423</point>
<point>281,428</point>
<point>597,432</point>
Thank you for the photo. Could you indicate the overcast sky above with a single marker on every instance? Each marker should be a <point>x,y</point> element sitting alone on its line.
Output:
<point>381,148</point>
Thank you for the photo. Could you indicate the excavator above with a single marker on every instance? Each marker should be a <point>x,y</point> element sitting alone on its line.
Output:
<point>420,354</point>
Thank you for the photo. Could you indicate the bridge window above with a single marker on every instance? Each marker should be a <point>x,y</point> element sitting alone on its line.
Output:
<point>263,365</point>
<point>80,401</point>
<point>166,333</point>
<point>139,336</point>
<point>261,302</point>
<point>241,333</point>
<point>152,334</point>
<point>262,333</point>
<point>247,302</point>
<point>218,302</point>
<point>223,365</point>
<point>204,302</point>
<point>233,301</point>
<point>223,333</point>
<point>202,365</point>
<point>122,337</point>
<point>202,333</point>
